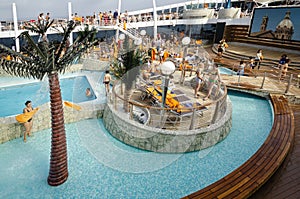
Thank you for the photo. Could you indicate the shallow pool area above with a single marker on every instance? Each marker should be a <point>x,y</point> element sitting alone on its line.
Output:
<point>102,167</point>
<point>226,71</point>
<point>73,86</point>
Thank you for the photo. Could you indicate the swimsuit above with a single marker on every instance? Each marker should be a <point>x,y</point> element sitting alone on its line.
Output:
<point>28,112</point>
<point>212,80</point>
<point>198,80</point>
<point>106,82</point>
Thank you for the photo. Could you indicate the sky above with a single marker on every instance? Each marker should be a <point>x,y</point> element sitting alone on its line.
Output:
<point>275,16</point>
<point>29,9</point>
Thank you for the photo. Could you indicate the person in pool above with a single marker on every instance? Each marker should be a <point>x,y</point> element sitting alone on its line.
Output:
<point>88,92</point>
<point>29,123</point>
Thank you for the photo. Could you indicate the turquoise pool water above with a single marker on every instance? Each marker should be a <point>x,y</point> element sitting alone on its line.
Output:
<point>102,167</point>
<point>12,98</point>
<point>226,71</point>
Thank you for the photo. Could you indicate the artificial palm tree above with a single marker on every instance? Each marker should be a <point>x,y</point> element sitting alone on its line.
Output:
<point>130,57</point>
<point>48,58</point>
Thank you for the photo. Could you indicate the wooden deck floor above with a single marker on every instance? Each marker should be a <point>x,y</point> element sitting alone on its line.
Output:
<point>255,172</point>
<point>285,183</point>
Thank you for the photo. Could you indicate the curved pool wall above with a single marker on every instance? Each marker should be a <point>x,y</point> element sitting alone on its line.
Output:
<point>10,129</point>
<point>102,167</point>
<point>162,140</point>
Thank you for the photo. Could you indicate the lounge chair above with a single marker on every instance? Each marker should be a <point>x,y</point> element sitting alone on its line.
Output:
<point>185,110</point>
<point>182,106</point>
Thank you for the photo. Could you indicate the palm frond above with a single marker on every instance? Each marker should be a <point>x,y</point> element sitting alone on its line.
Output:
<point>68,58</point>
<point>40,28</point>
<point>20,56</point>
<point>22,70</point>
<point>32,44</point>
<point>46,57</point>
<point>64,43</point>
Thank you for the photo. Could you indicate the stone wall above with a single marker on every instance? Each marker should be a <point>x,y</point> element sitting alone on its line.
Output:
<point>10,129</point>
<point>165,141</point>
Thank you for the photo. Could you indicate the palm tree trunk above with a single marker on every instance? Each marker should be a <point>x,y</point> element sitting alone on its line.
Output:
<point>58,173</point>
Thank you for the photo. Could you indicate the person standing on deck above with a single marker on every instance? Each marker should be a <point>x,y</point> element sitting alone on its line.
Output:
<point>28,125</point>
<point>106,81</point>
<point>251,63</point>
<point>48,16</point>
<point>241,68</point>
<point>284,69</point>
<point>282,60</point>
<point>115,17</point>
<point>258,59</point>
<point>199,83</point>
<point>223,44</point>
<point>214,79</point>
<point>41,18</point>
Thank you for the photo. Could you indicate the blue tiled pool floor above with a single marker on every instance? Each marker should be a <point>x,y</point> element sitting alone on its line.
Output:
<point>102,167</point>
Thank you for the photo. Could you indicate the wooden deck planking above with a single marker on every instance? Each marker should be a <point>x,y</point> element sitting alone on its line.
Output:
<point>245,180</point>
<point>285,182</point>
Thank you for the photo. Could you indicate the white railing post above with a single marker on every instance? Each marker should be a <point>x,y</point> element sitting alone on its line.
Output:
<point>16,29</point>
<point>155,20</point>
<point>289,84</point>
<point>192,126</point>
<point>130,111</point>
<point>70,18</point>
<point>263,81</point>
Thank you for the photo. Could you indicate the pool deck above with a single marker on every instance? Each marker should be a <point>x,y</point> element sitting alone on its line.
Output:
<point>250,176</point>
<point>285,181</point>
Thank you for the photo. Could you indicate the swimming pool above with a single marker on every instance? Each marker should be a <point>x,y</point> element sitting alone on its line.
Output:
<point>226,71</point>
<point>12,98</point>
<point>102,167</point>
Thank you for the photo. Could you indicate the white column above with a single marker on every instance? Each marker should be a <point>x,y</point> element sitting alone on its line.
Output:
<point>14,9</point>
<point>70,18</point>
<point>155,20</point>
<point>117,22</point>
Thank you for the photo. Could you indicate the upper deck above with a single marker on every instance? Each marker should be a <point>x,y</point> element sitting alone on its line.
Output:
<point>186,13</point>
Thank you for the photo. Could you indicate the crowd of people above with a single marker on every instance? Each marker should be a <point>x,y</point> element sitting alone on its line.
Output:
<point>111,18</point>
<point>254,62</point>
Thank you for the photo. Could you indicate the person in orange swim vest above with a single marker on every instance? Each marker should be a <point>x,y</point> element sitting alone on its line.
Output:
<point>28,125</point>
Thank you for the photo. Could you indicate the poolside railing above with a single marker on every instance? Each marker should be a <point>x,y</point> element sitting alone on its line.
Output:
<point>284,82</point>
<point>142,122</point>
<point>193,117</point>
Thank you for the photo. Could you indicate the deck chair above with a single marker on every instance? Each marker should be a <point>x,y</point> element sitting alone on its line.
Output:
<point>149,92</point>
<point>182,107</point>
<point>146,87</point>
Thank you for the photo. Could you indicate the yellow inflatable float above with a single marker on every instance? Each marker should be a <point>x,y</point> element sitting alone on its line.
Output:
<point>71,105</point>
<point>24,117</point>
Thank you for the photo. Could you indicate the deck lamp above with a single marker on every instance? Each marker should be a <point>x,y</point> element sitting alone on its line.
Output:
<point>167,68</point>
<point>121,39</point>
<point>122,36</point>
<point>143,32</point>
<point>185,42</point>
